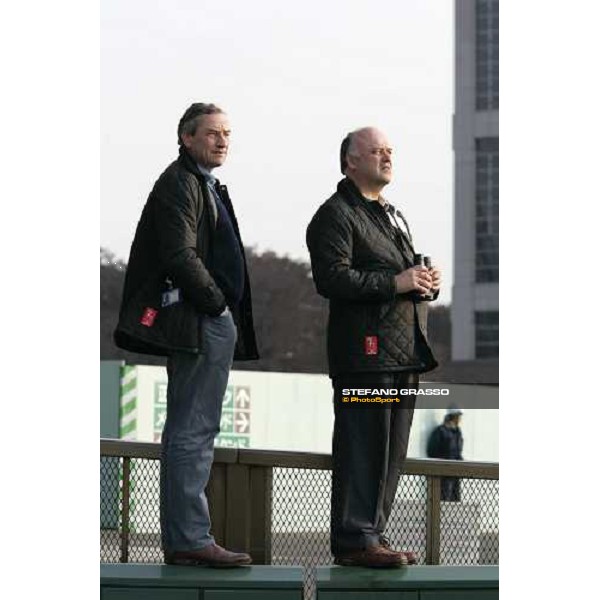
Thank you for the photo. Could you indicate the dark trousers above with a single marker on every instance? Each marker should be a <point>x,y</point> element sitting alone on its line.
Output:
<point>369,448</point>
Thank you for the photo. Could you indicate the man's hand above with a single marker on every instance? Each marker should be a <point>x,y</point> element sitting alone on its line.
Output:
<point>436,279</point>
<point>415,278</point>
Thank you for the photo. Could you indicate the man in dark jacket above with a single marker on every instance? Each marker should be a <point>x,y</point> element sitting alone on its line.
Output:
<point>362,260</point>
<point>187,296</point>
<point>446,441</point>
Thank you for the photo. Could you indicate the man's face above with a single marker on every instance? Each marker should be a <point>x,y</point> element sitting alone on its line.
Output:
<point>370,157</point>
<point>209,145</point>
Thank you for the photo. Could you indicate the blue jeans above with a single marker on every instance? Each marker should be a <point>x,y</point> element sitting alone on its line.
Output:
<point>195,392</point>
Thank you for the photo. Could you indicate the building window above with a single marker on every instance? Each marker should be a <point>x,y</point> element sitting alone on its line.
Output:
<point>486,210</point>
<point>486,54</point>
<point>486,334</point>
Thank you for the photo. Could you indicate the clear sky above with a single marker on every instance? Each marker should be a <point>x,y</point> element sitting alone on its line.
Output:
<point>294,77</point>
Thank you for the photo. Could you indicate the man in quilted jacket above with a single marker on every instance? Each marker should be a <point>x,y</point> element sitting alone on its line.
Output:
<point>187,296</point>
<point>363,259</point>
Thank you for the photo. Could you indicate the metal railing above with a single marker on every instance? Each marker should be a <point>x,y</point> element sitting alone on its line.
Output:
<point>275,505</point>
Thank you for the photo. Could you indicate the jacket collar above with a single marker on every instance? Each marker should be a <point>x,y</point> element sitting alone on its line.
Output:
<point>352,195</point>
<point>350,192</point>
<point>189,163</point>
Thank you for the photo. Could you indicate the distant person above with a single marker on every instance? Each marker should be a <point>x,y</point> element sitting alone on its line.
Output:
<point>446,441</point>
<point>187,296</point>
<point>363,259</point>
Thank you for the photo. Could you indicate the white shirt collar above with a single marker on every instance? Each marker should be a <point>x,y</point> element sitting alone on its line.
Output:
<point>210,178</point>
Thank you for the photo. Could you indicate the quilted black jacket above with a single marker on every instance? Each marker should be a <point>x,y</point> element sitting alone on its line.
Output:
<point>355,253</point>
<point>171,246</point>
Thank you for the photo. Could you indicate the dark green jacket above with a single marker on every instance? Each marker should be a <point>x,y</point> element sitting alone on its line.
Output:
<point>355,254</point>
<point>172,244</point>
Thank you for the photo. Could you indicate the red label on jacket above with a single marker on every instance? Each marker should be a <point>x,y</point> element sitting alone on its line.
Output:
<point>148,317</point>
<point>371,345</point>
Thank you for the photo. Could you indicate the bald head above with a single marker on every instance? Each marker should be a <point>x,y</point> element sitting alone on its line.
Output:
<point>366,158</point>
<point>362,137</point>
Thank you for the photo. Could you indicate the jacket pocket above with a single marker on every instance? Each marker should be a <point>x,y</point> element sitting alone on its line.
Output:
<point>174,327</point>
<point>349,327</point>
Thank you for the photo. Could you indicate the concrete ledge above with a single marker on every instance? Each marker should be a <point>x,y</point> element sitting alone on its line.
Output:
<point>163,582</point>
<point>408,583</point>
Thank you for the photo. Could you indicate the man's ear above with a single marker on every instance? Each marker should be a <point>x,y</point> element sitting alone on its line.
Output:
<point>186,139</point>
<point>350,162</point>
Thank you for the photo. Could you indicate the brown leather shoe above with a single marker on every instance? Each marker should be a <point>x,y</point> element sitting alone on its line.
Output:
<point>210,556</point>
<point>411,557</point>
<point>373,557</point>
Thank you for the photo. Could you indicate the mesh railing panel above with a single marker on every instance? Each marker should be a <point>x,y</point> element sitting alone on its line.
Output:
<point>300,521</point>
<point>144,510</point>
<point>300,517</point>
<point>469,527</point>
<point>110,508</point>
<point>144,520</point>
<point>407,525</point>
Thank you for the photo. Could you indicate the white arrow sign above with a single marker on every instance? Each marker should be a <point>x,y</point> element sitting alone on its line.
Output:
<point>242,423</point>
<point>242,398</point>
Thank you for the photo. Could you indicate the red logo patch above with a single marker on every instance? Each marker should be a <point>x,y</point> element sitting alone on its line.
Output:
<point>148,317</point>
<point>371,345</point>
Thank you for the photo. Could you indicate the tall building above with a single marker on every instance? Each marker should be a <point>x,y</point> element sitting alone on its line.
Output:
<point>475,139</point>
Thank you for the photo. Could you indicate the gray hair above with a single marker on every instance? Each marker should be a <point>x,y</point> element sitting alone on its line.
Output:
<point>191,118</point>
